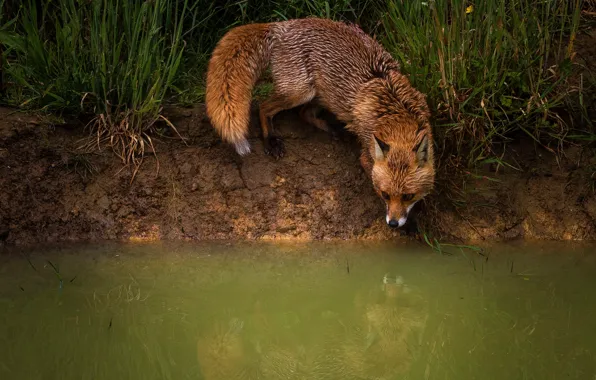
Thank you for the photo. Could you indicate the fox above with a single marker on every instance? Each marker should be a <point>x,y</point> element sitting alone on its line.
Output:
<point>322,63</point>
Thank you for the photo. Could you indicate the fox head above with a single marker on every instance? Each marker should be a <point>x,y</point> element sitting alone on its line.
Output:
<point>394,120</point>
<point>402,172</point>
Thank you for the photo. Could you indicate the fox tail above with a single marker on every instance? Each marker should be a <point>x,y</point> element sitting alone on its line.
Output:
<point>236,64</point>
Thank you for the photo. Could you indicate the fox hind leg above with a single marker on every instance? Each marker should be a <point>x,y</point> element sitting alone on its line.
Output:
<point>294,86</point>
<point>274,145</point>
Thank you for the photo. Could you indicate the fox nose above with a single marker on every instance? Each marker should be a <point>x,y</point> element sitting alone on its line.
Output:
<point>393,223</point>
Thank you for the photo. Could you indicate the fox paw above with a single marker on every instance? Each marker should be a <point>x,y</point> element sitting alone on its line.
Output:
<point>274,146</point>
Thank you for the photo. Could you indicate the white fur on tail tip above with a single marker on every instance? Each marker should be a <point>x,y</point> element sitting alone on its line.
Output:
<point>242,147</point>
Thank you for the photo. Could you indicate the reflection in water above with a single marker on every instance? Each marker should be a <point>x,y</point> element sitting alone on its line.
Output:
<point>281,312</point>
<point>370,342</point>
<point>221,353</point>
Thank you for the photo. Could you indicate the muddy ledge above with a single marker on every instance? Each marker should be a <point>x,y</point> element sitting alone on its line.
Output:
<point>204,191</point>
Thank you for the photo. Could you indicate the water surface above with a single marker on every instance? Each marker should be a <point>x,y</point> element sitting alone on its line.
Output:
<point>310,311</point>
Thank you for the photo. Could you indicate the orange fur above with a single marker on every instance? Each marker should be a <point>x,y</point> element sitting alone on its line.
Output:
<point>351,75</point>
<point>235,65</point>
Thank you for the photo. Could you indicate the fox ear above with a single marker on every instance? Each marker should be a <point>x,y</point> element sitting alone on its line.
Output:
<point>422,151</point>
<point>381,149</point>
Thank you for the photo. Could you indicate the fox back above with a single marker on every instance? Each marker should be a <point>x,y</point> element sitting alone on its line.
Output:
<point>332,58</point>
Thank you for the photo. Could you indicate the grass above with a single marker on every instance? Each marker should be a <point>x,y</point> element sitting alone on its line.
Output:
<point>443,248</point>
<point>492,69</point>
<point>81,164</point>
<point>113,59</point>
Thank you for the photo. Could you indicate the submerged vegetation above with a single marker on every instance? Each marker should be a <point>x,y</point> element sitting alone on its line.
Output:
<point>491,69</point>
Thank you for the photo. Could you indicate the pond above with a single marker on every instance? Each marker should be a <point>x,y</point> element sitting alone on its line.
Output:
<point>298,311</point>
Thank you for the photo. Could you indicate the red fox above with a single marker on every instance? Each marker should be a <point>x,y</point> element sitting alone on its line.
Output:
<point>347,72</point>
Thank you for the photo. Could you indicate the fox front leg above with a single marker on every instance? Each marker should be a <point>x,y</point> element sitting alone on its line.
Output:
<point>366,162</point>
<point>310,113</point>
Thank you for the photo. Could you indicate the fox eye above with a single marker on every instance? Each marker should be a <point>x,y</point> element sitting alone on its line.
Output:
<point>407,197</point>
<point>385,195</point>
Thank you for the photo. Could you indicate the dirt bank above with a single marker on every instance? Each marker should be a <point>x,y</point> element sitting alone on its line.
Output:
<point>51,193</point>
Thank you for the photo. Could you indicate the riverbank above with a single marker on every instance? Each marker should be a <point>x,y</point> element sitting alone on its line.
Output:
<point>50,192</point>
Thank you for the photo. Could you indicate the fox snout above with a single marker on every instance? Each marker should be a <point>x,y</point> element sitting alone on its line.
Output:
<point>397,215</point>
<point>395,223</point>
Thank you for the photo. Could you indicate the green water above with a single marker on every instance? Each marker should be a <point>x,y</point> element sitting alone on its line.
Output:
<point>316,311</point>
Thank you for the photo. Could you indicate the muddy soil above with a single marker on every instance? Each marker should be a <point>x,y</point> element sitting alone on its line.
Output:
<point>49,192</point>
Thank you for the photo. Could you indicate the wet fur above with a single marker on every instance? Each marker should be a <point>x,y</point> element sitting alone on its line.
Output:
<point>350,74</point>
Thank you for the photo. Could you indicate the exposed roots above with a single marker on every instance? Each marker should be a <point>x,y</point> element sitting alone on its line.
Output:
<point>127,133</point>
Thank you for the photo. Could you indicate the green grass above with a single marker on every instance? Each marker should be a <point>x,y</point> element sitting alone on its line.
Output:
<point>491,72</point>
<point>491,68</point>
<point>113,59</point>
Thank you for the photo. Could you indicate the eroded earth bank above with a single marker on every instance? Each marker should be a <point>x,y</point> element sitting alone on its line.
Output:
<point>50,192</point>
